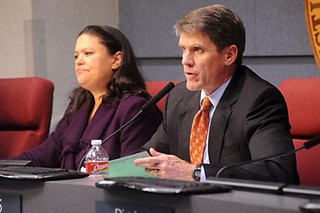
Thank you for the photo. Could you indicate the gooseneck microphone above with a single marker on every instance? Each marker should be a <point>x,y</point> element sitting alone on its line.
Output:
<point>145,107</point>
<point>307,145</point>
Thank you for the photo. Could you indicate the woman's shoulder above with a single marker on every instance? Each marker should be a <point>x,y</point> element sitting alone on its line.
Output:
<point>131,102</point>
<point>128,98</point>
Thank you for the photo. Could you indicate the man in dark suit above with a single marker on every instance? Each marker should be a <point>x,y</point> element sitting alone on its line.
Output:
<point>248,117</point>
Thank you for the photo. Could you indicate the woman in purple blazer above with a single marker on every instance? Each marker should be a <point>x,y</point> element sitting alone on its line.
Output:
<point>111,92</point>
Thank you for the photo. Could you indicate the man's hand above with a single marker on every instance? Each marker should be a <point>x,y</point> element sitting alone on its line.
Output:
<point>166,166</point>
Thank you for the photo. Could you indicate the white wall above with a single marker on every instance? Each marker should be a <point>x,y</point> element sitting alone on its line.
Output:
<point>13,14</point>
<point>38,37</point>
<point>277,44</point>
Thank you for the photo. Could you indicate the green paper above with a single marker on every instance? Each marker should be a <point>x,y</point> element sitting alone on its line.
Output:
<point>124,167</point>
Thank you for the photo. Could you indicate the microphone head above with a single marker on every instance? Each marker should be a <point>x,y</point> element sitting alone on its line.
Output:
<point>158,96</point>
<point>312,142</point>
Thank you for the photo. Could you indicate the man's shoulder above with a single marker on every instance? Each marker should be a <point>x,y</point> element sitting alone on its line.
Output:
<point>253,77</point>
<point>180,91</point>
<point>250,80</point>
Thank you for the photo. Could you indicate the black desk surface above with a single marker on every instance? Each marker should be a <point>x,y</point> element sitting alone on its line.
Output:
<point>81,195</point>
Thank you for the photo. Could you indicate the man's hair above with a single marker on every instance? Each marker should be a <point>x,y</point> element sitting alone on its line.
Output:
<point>223,26</point>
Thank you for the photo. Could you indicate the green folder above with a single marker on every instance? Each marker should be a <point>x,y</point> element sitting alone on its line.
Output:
<point>124,167</point>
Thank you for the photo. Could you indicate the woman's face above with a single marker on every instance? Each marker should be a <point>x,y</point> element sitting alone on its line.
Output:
<point>94,66</point>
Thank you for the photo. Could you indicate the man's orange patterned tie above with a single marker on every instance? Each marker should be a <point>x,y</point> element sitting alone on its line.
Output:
<point>199,132</point>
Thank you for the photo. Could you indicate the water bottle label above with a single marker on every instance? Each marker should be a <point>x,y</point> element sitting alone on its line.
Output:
<point>98,167</point>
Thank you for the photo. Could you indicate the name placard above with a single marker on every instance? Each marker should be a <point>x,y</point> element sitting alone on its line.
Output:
<point>10,203</point>
<point>312,12</point>
<point>120,207</point>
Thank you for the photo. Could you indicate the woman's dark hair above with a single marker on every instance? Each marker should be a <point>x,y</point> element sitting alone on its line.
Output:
<point>126,79</point>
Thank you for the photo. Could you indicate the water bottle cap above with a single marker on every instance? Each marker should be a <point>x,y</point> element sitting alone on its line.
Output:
<point>96,142</point>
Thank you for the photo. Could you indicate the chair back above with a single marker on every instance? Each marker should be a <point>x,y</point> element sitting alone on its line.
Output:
<point>302,96</point>
<point>25,114</point>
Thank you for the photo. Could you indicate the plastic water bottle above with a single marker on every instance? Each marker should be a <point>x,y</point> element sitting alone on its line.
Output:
<point>97,160</point>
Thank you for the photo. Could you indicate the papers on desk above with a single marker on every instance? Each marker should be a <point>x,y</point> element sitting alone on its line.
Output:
<point>124,167</point>
<point>124,174</point>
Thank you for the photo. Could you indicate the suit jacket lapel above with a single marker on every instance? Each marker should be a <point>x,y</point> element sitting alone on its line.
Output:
<point>101,121</point>
<point>187,111</point>
<point>81,131</point>
<point>222,115</point>
<point>216,134</point>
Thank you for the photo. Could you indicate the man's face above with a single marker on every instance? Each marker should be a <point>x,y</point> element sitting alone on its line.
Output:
<point>204,66</point>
